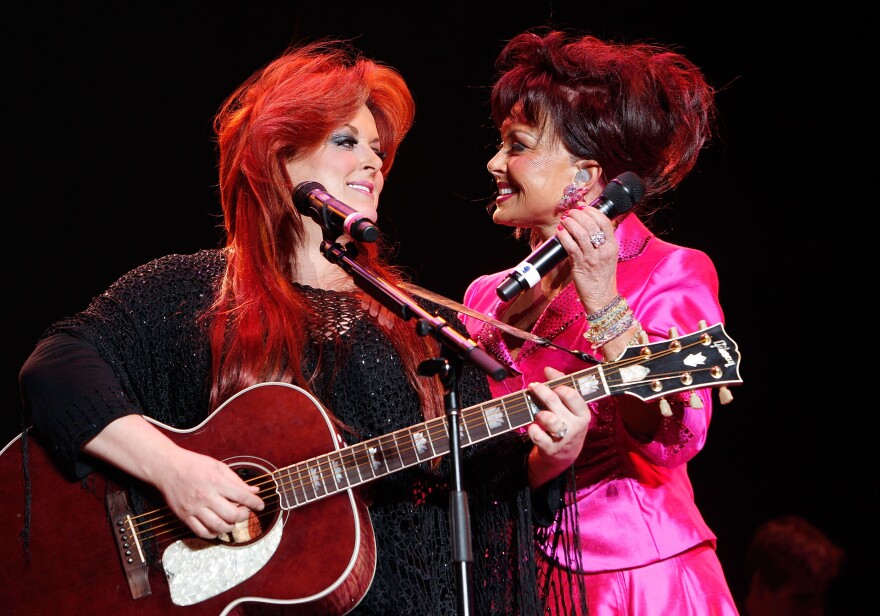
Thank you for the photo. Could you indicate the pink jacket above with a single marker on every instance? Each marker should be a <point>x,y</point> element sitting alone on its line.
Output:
<point>635,500</point>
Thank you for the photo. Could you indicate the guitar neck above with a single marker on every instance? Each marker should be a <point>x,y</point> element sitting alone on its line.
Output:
<point>707,358</point>
<point>363,462</point>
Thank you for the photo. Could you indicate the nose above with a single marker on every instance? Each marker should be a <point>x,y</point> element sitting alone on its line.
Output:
<point>371,160</point>
<point>496,164</point>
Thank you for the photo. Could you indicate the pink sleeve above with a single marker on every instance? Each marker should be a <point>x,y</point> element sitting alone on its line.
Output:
<point>678,291</point>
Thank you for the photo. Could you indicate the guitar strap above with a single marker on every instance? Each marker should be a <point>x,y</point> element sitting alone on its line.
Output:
<point>509,329</point>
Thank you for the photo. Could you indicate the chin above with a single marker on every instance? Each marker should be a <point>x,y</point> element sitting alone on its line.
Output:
<point>499,218</point>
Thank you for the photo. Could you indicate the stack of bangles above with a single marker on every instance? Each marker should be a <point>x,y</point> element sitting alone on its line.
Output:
<point>610,322</point>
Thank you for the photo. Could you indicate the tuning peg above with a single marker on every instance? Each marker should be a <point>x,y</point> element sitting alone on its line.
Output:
<point>665,409</point>
<point>724,395</point>
<point>695,401</point>
<point>643,337</point>
<point>703,324</point>
<point>673,332</point>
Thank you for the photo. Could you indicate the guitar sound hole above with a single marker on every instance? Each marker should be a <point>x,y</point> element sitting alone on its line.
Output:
<point>259,522</point>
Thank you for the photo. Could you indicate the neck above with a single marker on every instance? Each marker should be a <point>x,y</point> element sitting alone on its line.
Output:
<point>524,311</point>
<point>556,280</point>
<point>310,267</point>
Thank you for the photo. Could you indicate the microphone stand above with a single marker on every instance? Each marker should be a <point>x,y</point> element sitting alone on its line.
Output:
<point>455,350</point>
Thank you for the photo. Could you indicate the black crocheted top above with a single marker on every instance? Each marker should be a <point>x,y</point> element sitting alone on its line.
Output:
<point>138,348</point>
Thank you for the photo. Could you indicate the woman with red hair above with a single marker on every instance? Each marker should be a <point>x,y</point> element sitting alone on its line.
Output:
<point>185,335</point>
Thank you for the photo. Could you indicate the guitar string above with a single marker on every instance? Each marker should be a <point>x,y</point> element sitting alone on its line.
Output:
<point>326,470</point>
<point>505,327</point>
<point>271,479</point>
<point>274,486</point>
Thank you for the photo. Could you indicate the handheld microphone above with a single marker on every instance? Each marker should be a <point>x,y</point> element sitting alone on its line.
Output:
<point>313,199</point>
<point>618,197</point>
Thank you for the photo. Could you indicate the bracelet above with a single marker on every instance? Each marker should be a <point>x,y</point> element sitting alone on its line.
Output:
<point>614,303</point>
<point>636,340</point>
<point>609,322</point>
<point>599,337</point>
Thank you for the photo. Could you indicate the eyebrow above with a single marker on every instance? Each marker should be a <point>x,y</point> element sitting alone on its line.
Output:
<point>353,129</point>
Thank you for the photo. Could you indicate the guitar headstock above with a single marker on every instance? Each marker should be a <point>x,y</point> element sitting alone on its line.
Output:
<point>705,358</point>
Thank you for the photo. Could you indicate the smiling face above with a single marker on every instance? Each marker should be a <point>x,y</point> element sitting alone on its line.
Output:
<point>348,164</point>
<point>531,168</point>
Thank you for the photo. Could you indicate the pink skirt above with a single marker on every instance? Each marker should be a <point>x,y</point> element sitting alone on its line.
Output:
<point>689,584</point>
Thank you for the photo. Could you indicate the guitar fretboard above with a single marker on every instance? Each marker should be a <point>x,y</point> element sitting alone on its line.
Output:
<point>357,464</point>
<point>705,358</point>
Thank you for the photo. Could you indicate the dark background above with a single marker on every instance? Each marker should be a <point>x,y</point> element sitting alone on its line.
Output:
<point>111,164</point>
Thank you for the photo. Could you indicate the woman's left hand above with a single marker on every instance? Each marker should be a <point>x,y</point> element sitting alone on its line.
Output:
<point>558,431</point>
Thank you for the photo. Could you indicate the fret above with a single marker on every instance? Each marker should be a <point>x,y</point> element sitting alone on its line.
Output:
<point>283,486</point>
<point>312,488</point>
<point>363,462</point>
<point>349,466</point>
<point>472,428</point>
<point>519,408</point>
<point>504,403</point>
<point>415,448</point>
<point>469,429</point>
<point>386,455</point>
<point>298,482</point>
<point>440,437</point>
<point>319,472</point>
<point>496,418</point>
<point>434,427</point>
<point>340,477</point>
<point>589,385</point>
<point>464,435</point>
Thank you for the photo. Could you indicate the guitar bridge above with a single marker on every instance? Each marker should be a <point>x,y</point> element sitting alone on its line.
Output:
<point>131,552</point>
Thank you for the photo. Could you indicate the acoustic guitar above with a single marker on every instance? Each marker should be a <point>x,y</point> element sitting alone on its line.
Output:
<point>78,547</point>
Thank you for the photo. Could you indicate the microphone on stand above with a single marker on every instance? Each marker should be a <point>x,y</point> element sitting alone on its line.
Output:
<point>312,198</point>
<point>618,197</point>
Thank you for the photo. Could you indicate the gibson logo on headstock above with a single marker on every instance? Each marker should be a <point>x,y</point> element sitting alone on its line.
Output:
<point>721,347</point>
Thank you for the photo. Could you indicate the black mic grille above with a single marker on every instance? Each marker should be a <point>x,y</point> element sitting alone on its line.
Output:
<point>632,184</point>
<point>621,194</point>
<point>301,197</point>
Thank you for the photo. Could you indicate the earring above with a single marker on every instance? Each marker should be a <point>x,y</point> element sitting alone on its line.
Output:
<point>571,194</point>
<point>570,197</point>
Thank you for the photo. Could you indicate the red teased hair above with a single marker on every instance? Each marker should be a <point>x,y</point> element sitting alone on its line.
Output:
<point>258,321</point>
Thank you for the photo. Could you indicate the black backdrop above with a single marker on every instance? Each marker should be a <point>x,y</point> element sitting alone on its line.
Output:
<point>112,164</point>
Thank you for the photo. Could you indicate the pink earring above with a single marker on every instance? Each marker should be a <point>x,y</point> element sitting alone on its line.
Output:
<point>573,193</point>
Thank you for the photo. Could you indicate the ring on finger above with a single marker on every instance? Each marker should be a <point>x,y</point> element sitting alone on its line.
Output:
<point>597,239</point>
<point>560,434</point>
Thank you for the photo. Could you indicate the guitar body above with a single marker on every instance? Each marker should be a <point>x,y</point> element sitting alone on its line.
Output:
<point>324,563</point>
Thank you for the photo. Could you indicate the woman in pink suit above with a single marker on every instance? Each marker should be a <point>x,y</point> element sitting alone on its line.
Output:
<point>574,113</point>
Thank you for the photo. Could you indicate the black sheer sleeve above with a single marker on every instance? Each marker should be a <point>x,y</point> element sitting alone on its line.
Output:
<point>70,394</point>
<point>137,348</point>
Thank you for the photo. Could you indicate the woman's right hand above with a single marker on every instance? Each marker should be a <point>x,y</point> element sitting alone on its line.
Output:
<point>207,495</point>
